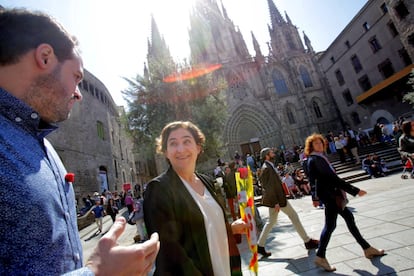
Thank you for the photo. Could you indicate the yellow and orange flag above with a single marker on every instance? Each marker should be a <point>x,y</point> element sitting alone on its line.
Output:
<point>245,196</point>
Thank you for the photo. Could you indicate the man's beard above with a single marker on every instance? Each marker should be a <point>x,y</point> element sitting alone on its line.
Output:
<point>45,94</point>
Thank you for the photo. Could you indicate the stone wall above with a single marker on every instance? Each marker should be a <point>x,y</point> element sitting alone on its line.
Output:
<point>93,140</point>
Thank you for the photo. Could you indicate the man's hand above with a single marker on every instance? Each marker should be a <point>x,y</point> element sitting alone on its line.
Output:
<point>109,258</point>
<point>315,203</point>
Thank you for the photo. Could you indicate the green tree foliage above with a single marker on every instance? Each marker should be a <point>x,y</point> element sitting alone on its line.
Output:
<point>152,103</point>
<point>409,97</point>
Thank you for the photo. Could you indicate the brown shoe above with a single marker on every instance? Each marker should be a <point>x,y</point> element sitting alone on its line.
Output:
<point>312,244</point>
<point>323,262</point>
<point>372,252</point>
<point>137,238</point>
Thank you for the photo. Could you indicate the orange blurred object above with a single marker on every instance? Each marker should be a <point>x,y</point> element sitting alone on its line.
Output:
<point>192,73</point>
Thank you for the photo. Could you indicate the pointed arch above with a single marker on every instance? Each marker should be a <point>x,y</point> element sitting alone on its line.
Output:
<point>290,41</point>
<point>306,78</point>
<point>290,111</point>
<point>267,129</point>
<point>279,82</point>
<point>316,108</point>
<point>237,84</point>
<point>355,118</point>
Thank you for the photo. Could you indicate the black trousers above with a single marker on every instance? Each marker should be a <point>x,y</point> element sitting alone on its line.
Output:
<point>331,215</point>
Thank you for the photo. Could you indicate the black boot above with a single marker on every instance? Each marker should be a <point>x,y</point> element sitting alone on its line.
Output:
<point>261,250</point>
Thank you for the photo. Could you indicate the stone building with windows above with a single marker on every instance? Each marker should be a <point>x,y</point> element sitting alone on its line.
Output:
<point>401,13</point>
<point>93,142</point>
<point>368,64</point>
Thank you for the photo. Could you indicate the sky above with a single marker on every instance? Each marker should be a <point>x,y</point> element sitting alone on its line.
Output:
<point>114,35</point>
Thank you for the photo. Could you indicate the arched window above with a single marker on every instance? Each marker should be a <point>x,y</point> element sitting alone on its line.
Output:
<point>304,74</point>
<point>279,83</point>
<point>290,42</point>
<point>291,117</point>
<point>355,118</point>
<point>100,129</point>
<point>317,110</point>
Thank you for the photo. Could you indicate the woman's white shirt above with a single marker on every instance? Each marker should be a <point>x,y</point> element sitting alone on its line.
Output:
<point>215,229</point>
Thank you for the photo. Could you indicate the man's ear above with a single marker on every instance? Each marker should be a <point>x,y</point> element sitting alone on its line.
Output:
<point>45,56</point>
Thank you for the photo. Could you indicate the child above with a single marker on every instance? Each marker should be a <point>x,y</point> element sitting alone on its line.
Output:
<point>99,213</point>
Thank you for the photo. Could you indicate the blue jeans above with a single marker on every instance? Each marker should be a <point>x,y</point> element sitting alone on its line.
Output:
<point>332,147</point>
<point>331,214</point>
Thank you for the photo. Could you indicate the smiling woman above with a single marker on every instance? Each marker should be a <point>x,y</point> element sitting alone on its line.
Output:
<point>184,209</point>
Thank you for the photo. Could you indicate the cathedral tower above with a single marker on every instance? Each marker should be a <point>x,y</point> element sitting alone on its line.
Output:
<point>275,100</point>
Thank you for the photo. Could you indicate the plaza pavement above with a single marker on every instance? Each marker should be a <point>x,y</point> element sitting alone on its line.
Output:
<point>385,217</point>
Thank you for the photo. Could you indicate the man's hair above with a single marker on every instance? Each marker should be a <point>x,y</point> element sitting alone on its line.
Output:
<point>264,152</point>
<point>22,30</point>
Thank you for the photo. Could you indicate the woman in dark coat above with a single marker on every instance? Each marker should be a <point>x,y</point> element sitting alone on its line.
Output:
<point>181,205</point>
<point>230,188</point>
<point>406,141</point>
<point>327,187</point>
<point>112,209</point>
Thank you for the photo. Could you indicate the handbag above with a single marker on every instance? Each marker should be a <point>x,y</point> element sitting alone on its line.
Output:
<point>341,199</point>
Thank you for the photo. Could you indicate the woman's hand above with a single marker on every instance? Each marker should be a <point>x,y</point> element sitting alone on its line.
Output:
<point>315,203</point>
<point>239,227</point>
<point>362,193</point>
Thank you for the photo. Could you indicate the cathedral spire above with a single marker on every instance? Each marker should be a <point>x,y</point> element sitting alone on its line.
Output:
<point>288,18</point>
<point>158,52</point>
<point>155,33</point>
<point>275,16</point>
<point>146,73</point>
<point>259,56</point>
<point>157,43</point>
<point>307,42</point>
<point>256,45</point>
<point>224,11</point>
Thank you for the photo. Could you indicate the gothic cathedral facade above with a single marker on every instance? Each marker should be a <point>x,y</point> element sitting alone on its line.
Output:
<point>275,100</point>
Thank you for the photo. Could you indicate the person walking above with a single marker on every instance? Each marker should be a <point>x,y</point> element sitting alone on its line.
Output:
<point>330,189</point>
<point>138,219</point>
<point>274,197</point>
<point>406,141</point>
<point>111,209</point>
<point>340,149</point>
<point>40,70</point>
<point>230,188</point>
<point>129,202</point>
<point>99,212</point>
<point>181,205</point>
